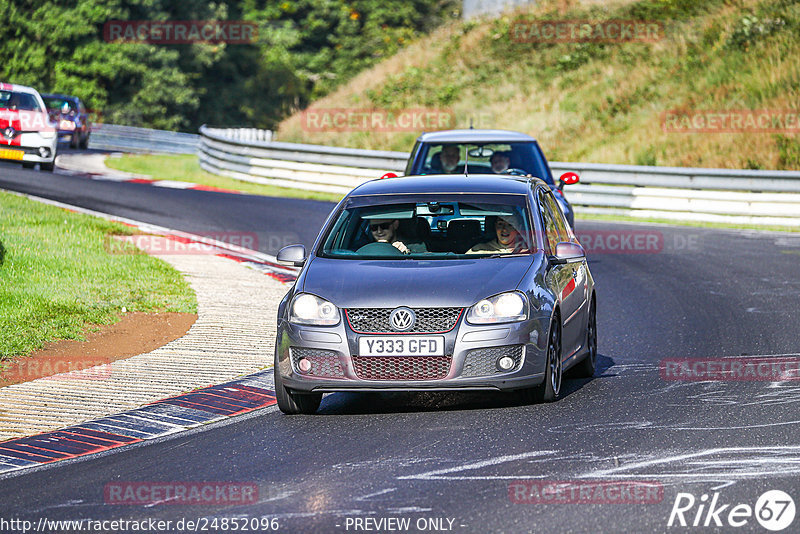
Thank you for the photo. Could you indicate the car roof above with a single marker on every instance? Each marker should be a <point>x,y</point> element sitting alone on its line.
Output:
<point>59,95</point>
<point>446,183</point>
<point>474,136</point>
<point>18,88</point>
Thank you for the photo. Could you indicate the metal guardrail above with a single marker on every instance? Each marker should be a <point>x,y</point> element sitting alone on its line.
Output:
<point>133,139</point>
<point>710,195</point>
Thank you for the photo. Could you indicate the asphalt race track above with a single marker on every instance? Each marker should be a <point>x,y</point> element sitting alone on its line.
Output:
<point>453,462</point>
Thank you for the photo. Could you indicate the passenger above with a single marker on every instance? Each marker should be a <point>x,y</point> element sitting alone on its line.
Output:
<point>500,161</point>
<point>446,161</point>
<point>508,238</point>
<point>386,231</point>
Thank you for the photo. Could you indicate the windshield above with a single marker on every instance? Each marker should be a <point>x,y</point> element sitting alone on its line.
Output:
<point>18,101</point>
<point>55,103</point>
<point>484,158</point>
<point>431,227</point>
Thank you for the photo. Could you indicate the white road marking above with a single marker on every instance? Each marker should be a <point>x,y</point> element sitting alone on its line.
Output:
<point>382,492</point>
<point>786,463</point>
<point>438,473</point>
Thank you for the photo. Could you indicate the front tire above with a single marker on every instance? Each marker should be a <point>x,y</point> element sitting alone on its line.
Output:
<point>548,391</point>
<point>586,368</point>
<point>292,403</point>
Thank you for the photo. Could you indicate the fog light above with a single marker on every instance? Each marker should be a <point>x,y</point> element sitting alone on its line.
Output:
<point>505,363</point>
<point>304,365</point>
<point>44,152</point>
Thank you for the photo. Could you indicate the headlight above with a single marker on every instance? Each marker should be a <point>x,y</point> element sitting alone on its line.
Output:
<point>502,308</point>
<point>310,309</point>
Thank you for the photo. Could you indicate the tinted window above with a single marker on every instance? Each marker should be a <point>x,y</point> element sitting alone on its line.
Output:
<point>525,156</point>
<point>56,103</point>
<point>430,227</point>
<point>555,227</point>
<point>18,101</point>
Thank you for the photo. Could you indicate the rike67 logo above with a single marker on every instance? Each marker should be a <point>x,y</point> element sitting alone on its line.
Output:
<point>774,510</point>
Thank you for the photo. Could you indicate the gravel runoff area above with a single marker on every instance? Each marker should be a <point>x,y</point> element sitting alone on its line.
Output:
<point>234,335</point>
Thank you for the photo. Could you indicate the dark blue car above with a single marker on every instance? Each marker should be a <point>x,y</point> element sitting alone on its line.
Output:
<point>487,151</point>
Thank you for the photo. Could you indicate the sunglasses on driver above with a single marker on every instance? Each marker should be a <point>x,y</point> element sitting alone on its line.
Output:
<point>382,226</point>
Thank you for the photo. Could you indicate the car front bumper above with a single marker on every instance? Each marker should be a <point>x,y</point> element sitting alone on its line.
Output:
<point>29,145</point>
<point>469,364</point>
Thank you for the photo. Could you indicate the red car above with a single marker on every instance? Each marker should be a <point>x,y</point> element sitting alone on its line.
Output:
<point>27,134</point>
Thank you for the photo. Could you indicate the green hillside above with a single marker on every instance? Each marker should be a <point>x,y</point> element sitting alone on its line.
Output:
<point>598,101</point>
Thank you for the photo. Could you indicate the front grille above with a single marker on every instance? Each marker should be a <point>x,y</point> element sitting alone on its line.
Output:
<point>324,363</point>
<point>376,320</point>
<point>401,367</point>
<point>483,362</point>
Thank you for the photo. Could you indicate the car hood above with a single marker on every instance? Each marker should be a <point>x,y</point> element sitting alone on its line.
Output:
<point>390,283</point>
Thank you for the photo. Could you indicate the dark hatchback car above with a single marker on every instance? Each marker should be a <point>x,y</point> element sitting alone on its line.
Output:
<point>68,112</point>
<point>437,283</point>
<point>490,152</point>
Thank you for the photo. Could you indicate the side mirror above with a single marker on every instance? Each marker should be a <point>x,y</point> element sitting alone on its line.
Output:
<point>567,252</point>
<point>569,178</point>
<point>293,255</point>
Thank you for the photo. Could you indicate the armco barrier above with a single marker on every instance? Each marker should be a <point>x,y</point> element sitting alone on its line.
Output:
<point>709,195</point>
<point>133,139</point>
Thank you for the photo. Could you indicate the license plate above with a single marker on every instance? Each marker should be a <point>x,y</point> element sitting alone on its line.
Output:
<point>6,153</point>
<point>401,346</point>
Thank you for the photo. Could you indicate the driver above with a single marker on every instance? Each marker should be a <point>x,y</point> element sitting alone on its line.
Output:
<point>500,161</point>
<point>385,231</point>
<point>448,160</point>
<point>508,239</point>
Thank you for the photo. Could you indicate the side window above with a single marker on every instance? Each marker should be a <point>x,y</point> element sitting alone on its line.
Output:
<point>550,224</point>
<point>558,217</point>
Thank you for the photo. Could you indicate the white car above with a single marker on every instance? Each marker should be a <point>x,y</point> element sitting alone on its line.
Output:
<point>27,134</point>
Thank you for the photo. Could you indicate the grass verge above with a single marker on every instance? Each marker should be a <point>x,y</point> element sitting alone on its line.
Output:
<point>185,168</point>
<point>57,278</point>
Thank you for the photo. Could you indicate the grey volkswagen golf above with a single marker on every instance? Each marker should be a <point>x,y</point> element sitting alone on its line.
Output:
<point>437,283</point>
